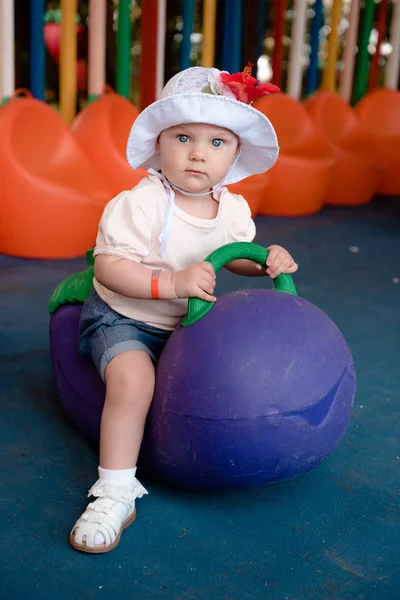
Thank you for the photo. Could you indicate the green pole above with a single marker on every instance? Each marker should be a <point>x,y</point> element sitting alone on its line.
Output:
<point>124,48</point>
<point>362,64</point>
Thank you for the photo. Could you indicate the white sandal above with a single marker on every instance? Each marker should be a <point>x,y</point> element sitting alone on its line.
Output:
<point>98,517</point>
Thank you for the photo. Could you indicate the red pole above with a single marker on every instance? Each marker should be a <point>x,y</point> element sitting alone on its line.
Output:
<point>279,25</point>
<point>380,27</point>
<point>148,53</point>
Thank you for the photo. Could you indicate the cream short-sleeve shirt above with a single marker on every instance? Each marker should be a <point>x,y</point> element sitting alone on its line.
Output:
<point>130,228</point>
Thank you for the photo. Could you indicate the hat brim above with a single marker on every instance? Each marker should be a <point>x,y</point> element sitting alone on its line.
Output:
<point>259,145</point>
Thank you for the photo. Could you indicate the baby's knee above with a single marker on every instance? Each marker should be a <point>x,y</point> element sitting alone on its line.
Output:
<point>131,374</point>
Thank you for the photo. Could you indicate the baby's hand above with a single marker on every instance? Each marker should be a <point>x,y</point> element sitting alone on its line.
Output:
<point>279,261</point>
<point>195,281</point>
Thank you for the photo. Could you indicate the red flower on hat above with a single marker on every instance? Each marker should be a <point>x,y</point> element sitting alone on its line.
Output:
<point>245,87</point>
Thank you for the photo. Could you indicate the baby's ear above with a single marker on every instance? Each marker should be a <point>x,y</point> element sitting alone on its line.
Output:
<point>158,144</point>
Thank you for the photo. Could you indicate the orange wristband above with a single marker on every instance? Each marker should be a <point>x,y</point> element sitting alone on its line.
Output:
<point>155,278</point>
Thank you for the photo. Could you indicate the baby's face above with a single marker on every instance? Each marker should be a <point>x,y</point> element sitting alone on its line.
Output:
<point>195,157</point>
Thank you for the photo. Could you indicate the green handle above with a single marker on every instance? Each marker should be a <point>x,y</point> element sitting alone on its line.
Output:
<point>238,250</point>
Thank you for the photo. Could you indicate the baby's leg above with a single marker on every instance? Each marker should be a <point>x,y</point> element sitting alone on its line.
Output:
<point>130,379</point>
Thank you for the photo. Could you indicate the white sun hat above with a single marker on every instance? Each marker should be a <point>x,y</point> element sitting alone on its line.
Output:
<point>202,95</point>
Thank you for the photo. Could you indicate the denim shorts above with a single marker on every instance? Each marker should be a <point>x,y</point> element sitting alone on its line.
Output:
<point>104,333</point>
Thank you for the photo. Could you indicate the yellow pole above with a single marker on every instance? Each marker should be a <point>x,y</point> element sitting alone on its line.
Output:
<point>209,20</point>
<point>68,60</point>
<point>329,79</point>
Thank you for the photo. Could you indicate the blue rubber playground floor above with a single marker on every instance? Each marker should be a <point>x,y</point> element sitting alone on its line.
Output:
<point>331,534</point>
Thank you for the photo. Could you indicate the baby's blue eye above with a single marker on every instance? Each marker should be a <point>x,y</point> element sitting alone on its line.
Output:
<point>183,138</point>
<point>217,143</point>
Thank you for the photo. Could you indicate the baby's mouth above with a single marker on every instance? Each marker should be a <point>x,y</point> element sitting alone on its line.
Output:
<point>194,172</point>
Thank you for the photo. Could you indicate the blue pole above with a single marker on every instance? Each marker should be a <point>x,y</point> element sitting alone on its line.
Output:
<point>237,37</point>
<point>37,51</point>
<point>260,30</point>
<point>312,71</point>
<point>188,17</point>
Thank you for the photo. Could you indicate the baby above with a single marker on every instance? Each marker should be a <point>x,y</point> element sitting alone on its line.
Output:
<point>152,240</point>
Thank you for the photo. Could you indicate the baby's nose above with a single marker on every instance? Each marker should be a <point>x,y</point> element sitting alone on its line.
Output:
<point>197,153</point>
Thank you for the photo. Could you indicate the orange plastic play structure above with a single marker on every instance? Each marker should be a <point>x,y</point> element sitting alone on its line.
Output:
<point>355,172</point>
<point>52,197</point>
<point>102,129</point>
<point>379,113</point>
<point>55,181</point>
<point>299,181</point>
<point>253,189</point>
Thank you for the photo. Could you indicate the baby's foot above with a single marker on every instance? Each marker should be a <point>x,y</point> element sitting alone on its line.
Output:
<point>100,527</point>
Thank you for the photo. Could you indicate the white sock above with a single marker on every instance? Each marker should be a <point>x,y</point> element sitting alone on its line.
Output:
<point>123,478</point>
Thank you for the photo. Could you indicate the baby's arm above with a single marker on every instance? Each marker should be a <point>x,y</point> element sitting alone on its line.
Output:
<point>279,261</point>
<point>131,279</point>
<point>245,267</point>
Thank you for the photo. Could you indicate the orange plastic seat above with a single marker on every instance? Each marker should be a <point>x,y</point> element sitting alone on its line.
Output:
<point>51,196</point>
<point>379,113</point>
<point>299,181</point>
<point>102,129</point>
<point>253,189</point>
<point>355,174</point>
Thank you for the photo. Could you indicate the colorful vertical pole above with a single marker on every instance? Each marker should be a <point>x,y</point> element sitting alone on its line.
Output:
<point>227,37</point>
<point>380,28</point>
<point>329,78</point>
<point>160,58</point>
<point>250,10</point>
<point>392,71</point>
<point>123,80</point>
<point>312,71</point>
<point>68,60</point>
<point>97,48</point>
<point>7,74</point>
<point>260,29</point>
<point>209,22</point>
<point>232,36</point>
<point>148,54</point>
<point>362,65</point>
<point>295,70</point>
<point>37,50</point>
<point>236,50</point>
<point>188,16</point>
<point>279,25</point>
<point>350,45</point>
